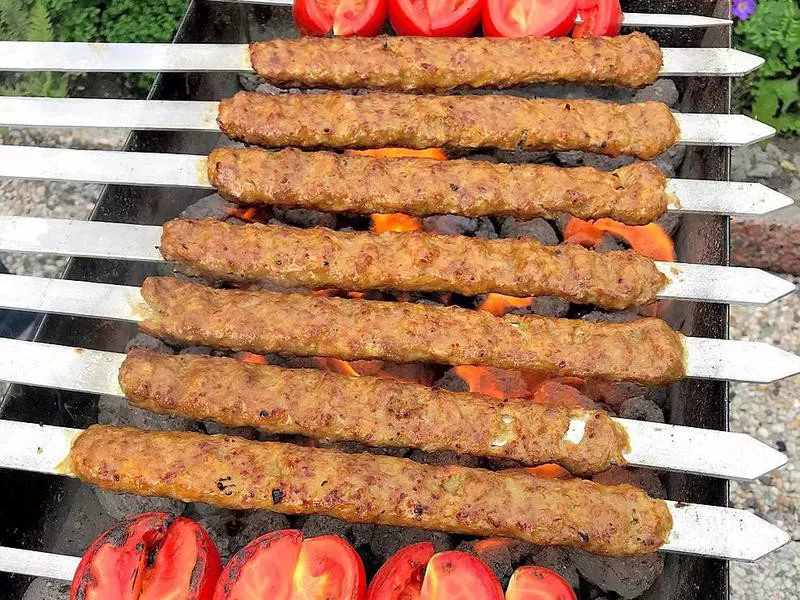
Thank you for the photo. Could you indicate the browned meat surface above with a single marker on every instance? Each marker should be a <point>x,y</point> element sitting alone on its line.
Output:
<point>441,64</point>
<point>648,350</point>
<point>376,412</point>
<point>633,194</point>
<point>336,120</point>
<point>235,473</point>
<point>412,261</point>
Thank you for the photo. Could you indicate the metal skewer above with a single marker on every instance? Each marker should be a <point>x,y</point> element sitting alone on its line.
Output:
<point>652,445</point>
<point>180,115</point>
<point>706,358</point>
<point>235,58</point>
<point>713,531</point>
<point>95,239</point>
<point>187,170</point>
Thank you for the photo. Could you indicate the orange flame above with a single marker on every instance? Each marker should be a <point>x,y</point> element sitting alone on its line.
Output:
<point>253,359</point>
<point>245,214</point>
<point>432,153</point>
<point>650,240</point>
<point>490,381</point>
<point>335,365</point>
<point>498,304</point>
<point>394,222</point>
<point>549,471</point>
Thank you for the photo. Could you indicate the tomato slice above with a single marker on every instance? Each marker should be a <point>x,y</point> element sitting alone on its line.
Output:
<point>439,18</point>
<point>400,577</point>
<point>598,18</point>
<point>538,583</point>
<point>455,575</point>
<point>283,566</point>
<point>340,17</point>
<point>539,18</point>
<point>147,557</point>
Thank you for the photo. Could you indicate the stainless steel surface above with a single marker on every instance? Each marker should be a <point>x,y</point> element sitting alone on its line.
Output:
<point>697,529</point>
<point>182,115</point>
<point>38,564</point>
<point>95,239</point>
<point>187,170</point>
<point>653,445</point>
<point>166,58</point>
<point>705,358</point>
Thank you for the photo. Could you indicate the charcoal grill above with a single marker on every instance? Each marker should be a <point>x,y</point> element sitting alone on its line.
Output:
<point>35,517</point>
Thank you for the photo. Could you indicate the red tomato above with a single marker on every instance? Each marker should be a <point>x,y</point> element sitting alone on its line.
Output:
<point>598,18</point>
<point>283,566</point>
<point>538,583</point>
<point>457,575</point>
<point>400,577</point>
<point>152,556</point>
<point>439,18</point>
<point>518,18</point>
<point>340,17</point>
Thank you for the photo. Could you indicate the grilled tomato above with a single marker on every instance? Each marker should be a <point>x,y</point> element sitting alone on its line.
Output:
<point>598,18</point>
<point>152,556</point>
<point>340,17</point>
<point>538,583</point>
<point>539,18</point>
<point>283,566</point>
<point>400,577</point>
<point>457,575</point>
<point>437,18</point>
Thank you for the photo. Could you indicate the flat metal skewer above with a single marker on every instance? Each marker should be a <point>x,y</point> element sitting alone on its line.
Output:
<point>235,58</point>
<point>95,239</point>
<point>692,196</point>
<point>706,358</point>
<point>713,531</point>
<point>187,115</point>
<point>652,445</point>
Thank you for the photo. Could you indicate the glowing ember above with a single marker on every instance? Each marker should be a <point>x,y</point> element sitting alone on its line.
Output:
<point>557,393</point>
<point>249,357</point>
<point>549,471</point>
<point>498,304</point>
<point>650,240</point>
<point>394,222</point>
<point>432,153</point>
<point>249,215</point>
<point>490,381</point>
<point>334,365</point>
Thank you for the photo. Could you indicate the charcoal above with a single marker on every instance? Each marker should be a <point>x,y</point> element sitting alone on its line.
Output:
<point>121,506</point>
<point>670,222</point>
<point>304,217</point>
<point>486,229</point>
<point>358,534</point>
<point>663,90</point>
<point>114,410</point>
<point>253,83</point>
<point>198,510</point>
<point>629,576</point>
<point>608,243</point>
<point>444,458</point>
<point>233,530</point>
<point>451,381</point>
<point>356,447</point>
<point>210,207</point>
<point>522,157</point>
<point>201,350</point>
<point>547,306</point>
<point>496,556</point>
<point>561,223</point>
<point>642,478</point>
<point>450,225</point>
<point>484,157</point>
<point>388,539</point>
<point>148,342</point>
<point>641,409</point>
<point>617,316</point>
<point>43,588</point>
<point>213,428</point>
<point>556,559</point>
<point>670,161</point>
<point>538,229</point>
<point>576,158</point>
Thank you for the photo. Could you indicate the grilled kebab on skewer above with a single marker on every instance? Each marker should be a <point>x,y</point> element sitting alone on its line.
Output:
<point>320,258</point>
<point>338,120</point>
<point>235,473</point>
<point>370,410</point>
<point>633,194</point>
<point>647,351</point>
<point>421,64</point>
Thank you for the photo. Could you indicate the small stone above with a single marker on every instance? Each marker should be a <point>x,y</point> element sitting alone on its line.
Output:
<point>762,170</point>
<point>789,166</point>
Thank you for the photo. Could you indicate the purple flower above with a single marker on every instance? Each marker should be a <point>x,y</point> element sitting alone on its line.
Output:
<point>742,9</point>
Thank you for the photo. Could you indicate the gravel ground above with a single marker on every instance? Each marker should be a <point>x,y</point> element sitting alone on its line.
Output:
<point>771,413</point>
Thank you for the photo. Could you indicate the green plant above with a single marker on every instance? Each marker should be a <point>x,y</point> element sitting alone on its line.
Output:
<point>773,32</point>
